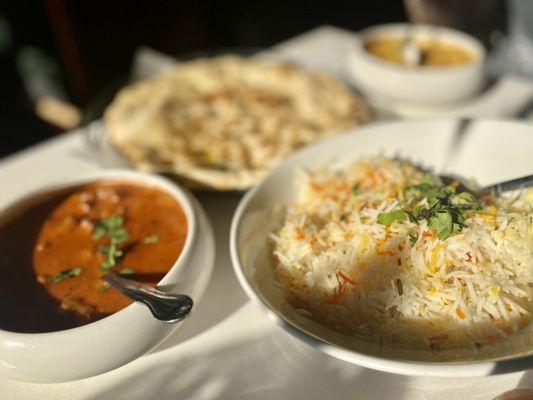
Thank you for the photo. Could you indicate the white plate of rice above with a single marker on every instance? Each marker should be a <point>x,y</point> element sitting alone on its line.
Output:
<point>370,260</point>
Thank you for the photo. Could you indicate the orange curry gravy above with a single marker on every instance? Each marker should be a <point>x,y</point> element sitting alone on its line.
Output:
<point>68,256</point>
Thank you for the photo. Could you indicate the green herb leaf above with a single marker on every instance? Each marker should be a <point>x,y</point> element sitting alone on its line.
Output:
<point>69,273</point>
<point>113,222</point>
<point>399,286</point>
<point>391,217</point>
<point>460,217</point>
<point>103,250</point>
<point>457,227</point>
<point>151,239</point>
<point>356,189</point>
<point>423,187</point>
<point>99,232</point>
<point>445,212</point>
<point>118,236</point>
<point>126,271</point>
<point>411,216</point>
<point>112,228</point>
<point>434,194</point>
<point>441,223</point>
<point>106,265</point>
<point>465,196</point>
<point>427,179</point>
<point>413,239</point>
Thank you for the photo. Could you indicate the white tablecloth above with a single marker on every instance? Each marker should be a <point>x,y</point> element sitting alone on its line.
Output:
<point>229,349</point>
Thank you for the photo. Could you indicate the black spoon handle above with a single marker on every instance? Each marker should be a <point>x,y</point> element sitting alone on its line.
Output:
<point>166,307</point>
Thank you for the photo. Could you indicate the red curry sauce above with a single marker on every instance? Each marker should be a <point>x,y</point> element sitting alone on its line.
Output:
<point>66,241</point>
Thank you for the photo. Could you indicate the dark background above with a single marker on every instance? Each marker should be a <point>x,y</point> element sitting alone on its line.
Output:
<point>90,43</point>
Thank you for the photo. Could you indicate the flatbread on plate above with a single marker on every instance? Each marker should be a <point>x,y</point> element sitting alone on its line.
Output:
<point>225,122</point>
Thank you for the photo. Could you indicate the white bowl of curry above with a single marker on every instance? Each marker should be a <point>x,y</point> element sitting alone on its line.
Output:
<point>448,67</point>
<point>58,320</point>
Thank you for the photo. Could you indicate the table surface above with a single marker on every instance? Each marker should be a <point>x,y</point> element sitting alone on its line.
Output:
<point>228,348</point>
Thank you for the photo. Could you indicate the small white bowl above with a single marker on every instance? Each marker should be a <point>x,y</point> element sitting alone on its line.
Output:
<point>387,81</point>
<point>486,155</point>
<point>115,340</point>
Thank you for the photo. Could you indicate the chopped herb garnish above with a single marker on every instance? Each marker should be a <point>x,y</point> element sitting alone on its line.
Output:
<point>113,255</point>
<point>118,235</point>
<point>399,286</point>
<point>111,228</point>
<point>103,250</point>
<point>391,217</point>
<point>151,239</point>
<point>442,224</point>
<point>106,265</point>
<point>356,189</point>
<point>69,273</point>
<point>126,271</point>
<point>427,179</point>
<point>113,222</point>
<point>99,232</point>
<point>466,198</point>
<point>446,210</point>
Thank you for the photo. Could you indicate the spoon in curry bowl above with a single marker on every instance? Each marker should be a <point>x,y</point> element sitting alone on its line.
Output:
<point>166,307</point>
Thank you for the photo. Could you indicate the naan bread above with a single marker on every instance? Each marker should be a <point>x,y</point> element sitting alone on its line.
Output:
<point>225,122</point>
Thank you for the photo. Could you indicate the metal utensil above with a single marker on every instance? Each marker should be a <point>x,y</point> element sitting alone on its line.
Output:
<point>495,189</point>
<point>165,307</point>
<point>461,185</point>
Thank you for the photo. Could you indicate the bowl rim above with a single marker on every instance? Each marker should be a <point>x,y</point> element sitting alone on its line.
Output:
<point>405,367</point>
<point>448,35</point>
<point>115,175</point>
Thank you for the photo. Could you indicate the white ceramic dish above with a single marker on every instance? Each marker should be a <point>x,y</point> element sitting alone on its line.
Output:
<point>492,151</point>
<point>385,81</point>
<point>123,336</point>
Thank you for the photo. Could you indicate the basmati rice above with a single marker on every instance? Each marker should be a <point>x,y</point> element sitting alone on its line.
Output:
<point>399,283</point>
